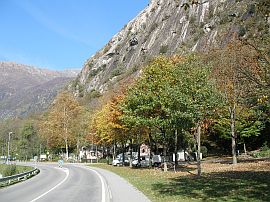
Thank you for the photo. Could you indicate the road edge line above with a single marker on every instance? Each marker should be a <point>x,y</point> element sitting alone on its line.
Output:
<point>67,174</point>
<point>103,199</point>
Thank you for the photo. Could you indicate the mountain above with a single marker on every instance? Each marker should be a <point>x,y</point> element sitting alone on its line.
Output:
<point>170,27</point>
<point>25,89</point>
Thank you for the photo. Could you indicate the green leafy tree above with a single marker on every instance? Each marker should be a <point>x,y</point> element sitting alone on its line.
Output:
<point>201,95</point>
<point>28,141</point>
<point>248,125</point>
<point>173,94</point>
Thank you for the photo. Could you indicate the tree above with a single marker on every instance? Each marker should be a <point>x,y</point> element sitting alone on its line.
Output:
<point>248,125</point>
<point>202,97</point>
<point>232,65</point>
<point>148,100</point>
<point>173,94</point>
<point>82,128</point>
<point>107,125</point>
<point>28,141</point>
<point>58,125</point>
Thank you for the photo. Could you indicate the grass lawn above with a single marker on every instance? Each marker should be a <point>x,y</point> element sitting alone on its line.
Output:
<point>247,181</point>
<point>19,169</point>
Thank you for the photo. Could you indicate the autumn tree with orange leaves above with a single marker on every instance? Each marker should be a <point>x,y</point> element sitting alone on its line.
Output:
<point>236,71</point>
<point>107,127</point>
<point>57,127</point>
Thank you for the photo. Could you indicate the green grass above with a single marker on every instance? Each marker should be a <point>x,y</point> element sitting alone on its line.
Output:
<point>262,154</point>
<point>7,170</point>
<point>243,185</point>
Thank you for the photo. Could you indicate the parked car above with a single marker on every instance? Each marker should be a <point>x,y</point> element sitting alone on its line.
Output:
<point>156,160</point>
<point>144,162</point>
<point>184,156</point>
<point>119,161</point>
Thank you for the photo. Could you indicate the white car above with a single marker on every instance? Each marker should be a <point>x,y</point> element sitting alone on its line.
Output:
<point>144,162</point>
<point>118,162</point>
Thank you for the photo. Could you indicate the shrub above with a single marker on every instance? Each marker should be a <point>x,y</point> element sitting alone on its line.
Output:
<point>93,94</point>
<point>105,160</point>
<point>163,49</point>
<point>263,152</point>
<point>242,31</point>
<point>153,27</point>
<point>10,170</point>
<point>204,151</point>
<point>192,20</point>
<point>265,147</point>
<point>117,72</point>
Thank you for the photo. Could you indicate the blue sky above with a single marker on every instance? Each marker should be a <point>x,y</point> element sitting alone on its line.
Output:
<point>60,34</point>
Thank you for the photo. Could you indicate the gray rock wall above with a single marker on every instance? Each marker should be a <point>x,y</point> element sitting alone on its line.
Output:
<point>163,27</point>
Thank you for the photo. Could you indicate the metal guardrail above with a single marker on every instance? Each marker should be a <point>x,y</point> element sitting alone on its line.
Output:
<point>19,177</point>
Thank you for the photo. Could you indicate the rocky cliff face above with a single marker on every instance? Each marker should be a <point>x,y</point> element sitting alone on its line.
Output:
<point>165,27</point>
<point>25,89</point>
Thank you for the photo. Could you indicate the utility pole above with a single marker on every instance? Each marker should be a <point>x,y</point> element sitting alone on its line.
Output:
<point>9,134</point>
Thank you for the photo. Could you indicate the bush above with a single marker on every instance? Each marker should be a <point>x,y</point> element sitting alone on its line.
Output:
<point>10,170</point>
<point>105,160</point>
<point>93,94</point>
<point>265,147</point>
<point>153,27</point>
<point>204,151</point>
<point>263,152</point>
<point>163,49</point>
<point>116,72</point>
<point>242,31</point>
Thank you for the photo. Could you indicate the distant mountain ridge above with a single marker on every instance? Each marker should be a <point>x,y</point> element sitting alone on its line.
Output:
<point>26,89</point>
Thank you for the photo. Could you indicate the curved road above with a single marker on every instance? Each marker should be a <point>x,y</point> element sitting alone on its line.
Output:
<point>72,183</point>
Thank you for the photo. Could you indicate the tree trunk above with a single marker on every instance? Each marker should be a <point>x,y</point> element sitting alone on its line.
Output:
<point>114,150</point>
<point>165,162</point>
<point>139,154</point>
<point>151,153</point>
<point>130,152</point>
<point>78,150</point>
<point>175,148</point>
<point>232,123</point>
<point>245,149</point>
<point>66,142</point>
<point>123,155</point>
<point>66,132</point>
<point>198,137</point>
<point>97,154</point>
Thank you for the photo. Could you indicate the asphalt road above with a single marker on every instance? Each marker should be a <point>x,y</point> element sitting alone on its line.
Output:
<point>72,183</point>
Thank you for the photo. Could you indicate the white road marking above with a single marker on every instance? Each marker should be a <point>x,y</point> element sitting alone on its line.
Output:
<point>67,174</point>
<point>103,193</point>
<point>103,199</point>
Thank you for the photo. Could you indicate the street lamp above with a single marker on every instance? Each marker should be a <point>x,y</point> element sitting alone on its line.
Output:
<point>9,134</point>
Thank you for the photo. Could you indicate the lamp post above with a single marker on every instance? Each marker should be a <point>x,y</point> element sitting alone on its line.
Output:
<point>9,134</point>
